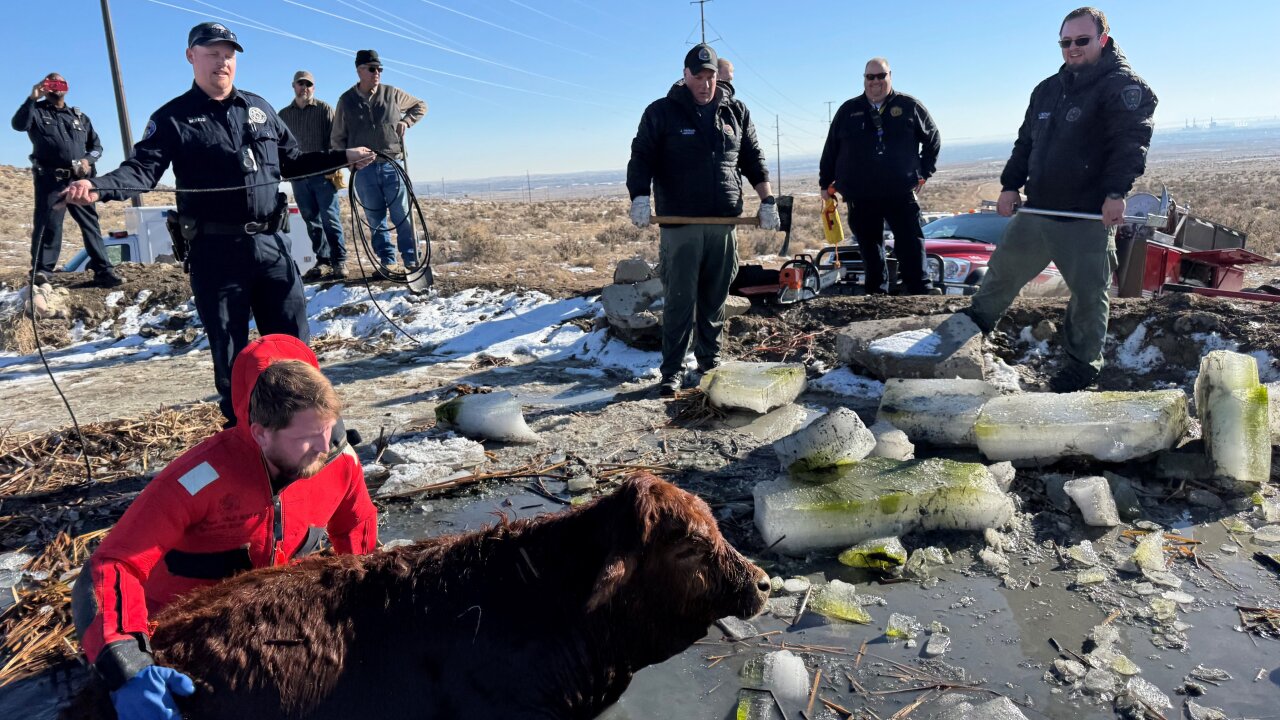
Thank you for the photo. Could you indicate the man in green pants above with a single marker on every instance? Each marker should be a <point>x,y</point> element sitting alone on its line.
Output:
<point>1082,144</point>
<point>691,147</point>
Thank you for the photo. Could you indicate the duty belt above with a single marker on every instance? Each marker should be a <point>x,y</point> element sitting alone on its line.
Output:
<point>255,227</point>
<point>57,173</point>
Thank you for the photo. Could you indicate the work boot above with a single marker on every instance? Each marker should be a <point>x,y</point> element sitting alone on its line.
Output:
<point>709,365</point>
<point>669,385</point>
<point>315,274</point>
<point>41,277</point>
<point>108,278</point>
<point>1073,377</point>
<point>340,272</point>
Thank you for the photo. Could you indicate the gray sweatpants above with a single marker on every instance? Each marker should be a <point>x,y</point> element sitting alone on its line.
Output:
<point>1084,251</point>
<point>698,263</point>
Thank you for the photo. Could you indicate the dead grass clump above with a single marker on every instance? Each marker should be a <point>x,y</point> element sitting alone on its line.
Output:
<point>16,334</point>
<point>477,242</point>
<point>624,234</point>
<point>570,247</point>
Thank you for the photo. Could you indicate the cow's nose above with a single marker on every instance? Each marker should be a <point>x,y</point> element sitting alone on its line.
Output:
<point>763,585</point>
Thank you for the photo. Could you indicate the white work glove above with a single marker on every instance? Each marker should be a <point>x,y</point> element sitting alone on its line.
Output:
<point>768,215</point>
<point>640,211</point>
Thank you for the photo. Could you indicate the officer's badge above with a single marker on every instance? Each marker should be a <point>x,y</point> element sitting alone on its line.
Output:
<point>151,129</point>
<point>703,55</point>
<point>256,116</point>
<point>896,112</point>
<point>217,28</point>
<point>1131,95</point>
<point>1073,114</point>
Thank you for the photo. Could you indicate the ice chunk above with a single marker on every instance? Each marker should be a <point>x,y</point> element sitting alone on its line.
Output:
<point>1149,555</point>
<point>1083,554</point>
<point>758,386</point>
<point>894,444</point>
<point>755,705</point>
<point>1068,670</point>
<point>1097,681</point>
<point>1164,610</point>
<point>998,563</point>
<point>736,628</point>
<point>1267,535</point>
<point>781,672</point>
<point>922,561</point>
<point>1004,473</point>
<point>489,416</point>
<point>877,498</point>
<point>1234,416</point>
<point>1091,576</point>
<point>837,438</point>
<point>952,349</point>
<point>1273,403</point>
<point>1195,711</point>
<point>839,600</point>
<point>938,645</point>
<point>423,462</point>
<point>1093,496</point>
<point>795,585</point>
<point>1140,693</point>
<point>15,560</point>
<point>1125,496</point>
<point>901,626</point>
<point>1122,665</point>
<point>935,412</point>
<point>1110,426</point>
<point>1001,708</point>
<point>879,554</point>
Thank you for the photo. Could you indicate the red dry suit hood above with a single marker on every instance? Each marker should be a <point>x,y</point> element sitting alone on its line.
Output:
<point>256,357</point>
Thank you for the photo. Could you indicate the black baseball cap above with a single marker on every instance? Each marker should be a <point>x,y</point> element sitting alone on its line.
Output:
<point>700,58</point>
<point>209,32</point>
<point>368,57</point>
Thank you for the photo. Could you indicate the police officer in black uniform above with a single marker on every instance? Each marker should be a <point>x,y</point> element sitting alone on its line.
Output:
<point>63,147</point>
<point>217,136</point>
<point>881,148</point>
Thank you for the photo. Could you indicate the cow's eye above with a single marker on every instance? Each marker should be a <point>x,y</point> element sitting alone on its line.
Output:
<point>694,546</point>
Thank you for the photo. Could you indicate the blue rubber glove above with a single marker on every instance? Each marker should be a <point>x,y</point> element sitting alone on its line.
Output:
<point>149,694</point>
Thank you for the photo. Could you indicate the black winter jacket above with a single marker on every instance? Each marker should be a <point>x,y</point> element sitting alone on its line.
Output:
<point>693,174</point>
<point>863,165</point>
<point>1085,135</point>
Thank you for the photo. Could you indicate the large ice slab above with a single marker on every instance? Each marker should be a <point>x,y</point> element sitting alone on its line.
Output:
<point>1110,426</point>
<point>1273,401</point>
<point>758,386</point>
<point>935,412</point>
<point>929,346</point>
<point>1235,420</point>
<point>488,416</point>
<point>837,438</point>
<point>781,671</point>
<point>428,461</point>
<point>877,498</point>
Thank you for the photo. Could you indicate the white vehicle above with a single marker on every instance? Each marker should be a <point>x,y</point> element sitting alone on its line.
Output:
<point>145,239</point>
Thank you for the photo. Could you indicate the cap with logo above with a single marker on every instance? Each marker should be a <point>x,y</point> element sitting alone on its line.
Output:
<point>368,57</point>
<point>209,33</point>
<point>304,75</point>
<point>700,58</point>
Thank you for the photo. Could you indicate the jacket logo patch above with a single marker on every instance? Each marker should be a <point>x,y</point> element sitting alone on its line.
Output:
<point>896,112</point>
<point>688,131</point>
<point>151,129</point>
<point>1131,96</point>
<point>1073,114</point>
<point>198,478</point>
<point>256,116</point>
<point>859,113</point>
<point>1044,116</point>
<point>197,119</point>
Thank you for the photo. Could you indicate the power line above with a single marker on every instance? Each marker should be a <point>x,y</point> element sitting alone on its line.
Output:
<point>504,29</point>
<point>562,21</point>
<point>743,58</point>
<point>702,15</point>
<point>421,31</point>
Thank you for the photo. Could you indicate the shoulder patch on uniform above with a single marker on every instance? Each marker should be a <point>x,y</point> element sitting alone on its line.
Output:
<point>1131,96</point>
<point>151,129</point>
<point>256,116</point>
<point>896,111</point>
<point>198,478</point>
<point>1073,114</point>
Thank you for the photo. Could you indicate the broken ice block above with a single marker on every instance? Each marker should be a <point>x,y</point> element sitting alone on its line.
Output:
<point>795,585</point>
<point>1093,496</point>
<point>781,672</point>
<point>837,438</point>
<point>1142,695</point>
<point>755,705</point>
<point>894,444</point>
<point>489,416</point>
<point>1083,554</point>
<point>878,498</point>
<point>423,462</point>
<point>937,645</point>
<point>1004,474</point>
<point>1164,610</point>
<point>1273,403</point>
<point>901,626</point>
<point>922,561</point>
<point>839,600</point>
<point>1235,422</point>
<point>936,412</point>
<point>1091,576</point>
<point>1001,708</point>
<point>1110,426</point>
<point>1267,535</point>
<point>758,386</point>
<point>1149,555</point>
<point>880,554</point>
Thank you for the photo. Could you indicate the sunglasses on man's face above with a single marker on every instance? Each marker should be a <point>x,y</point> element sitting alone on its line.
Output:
<point>876,76</point>
<point>304,83</point>
<point>1079,42</point>
<point>375,69</point>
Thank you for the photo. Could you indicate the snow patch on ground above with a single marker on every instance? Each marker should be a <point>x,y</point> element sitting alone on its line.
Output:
<point>1134,354</point>
<point>911,343</point>
<point>843,381</point>
<point>1035,348</point>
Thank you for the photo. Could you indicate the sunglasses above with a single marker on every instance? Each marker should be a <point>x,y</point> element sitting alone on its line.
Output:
<point>304,83</point>
<point>1079,42</point>
<point>373,68</point>
<point>876,76</point>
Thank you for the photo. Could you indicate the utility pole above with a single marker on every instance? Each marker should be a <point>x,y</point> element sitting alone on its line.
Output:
<point>443,191</point>
<point>829,102</point>
<point>528,188</point>
<point>126,136</point>
<point>777,149</point>
<point>702,16</point>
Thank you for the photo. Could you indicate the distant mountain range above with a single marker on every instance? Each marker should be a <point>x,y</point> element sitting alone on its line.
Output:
<point>1260,137</point>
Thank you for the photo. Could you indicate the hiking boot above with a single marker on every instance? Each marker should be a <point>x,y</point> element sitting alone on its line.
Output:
<point>108,278</point>
<point>1073,377</point>
<point>41,278</point>
<point>669,385</point>
<point>316,274</point>
<point>340,272</point>
<point>708,366</point>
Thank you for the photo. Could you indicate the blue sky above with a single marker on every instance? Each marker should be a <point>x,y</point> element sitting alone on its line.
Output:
<point>559,85</point>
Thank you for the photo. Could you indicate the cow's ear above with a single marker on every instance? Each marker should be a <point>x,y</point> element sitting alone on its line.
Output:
<point>613,575</point>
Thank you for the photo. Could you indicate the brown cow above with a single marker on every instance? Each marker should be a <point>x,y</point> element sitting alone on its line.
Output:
<point>546,618</point>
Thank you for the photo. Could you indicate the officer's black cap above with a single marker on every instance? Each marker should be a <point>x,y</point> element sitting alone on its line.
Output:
<point>368,57</point>
<point>209,33</point>
<point>700,58</point>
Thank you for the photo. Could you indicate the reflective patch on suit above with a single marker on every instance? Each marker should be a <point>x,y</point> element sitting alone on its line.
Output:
<point>859,113</point>
<point>688,131</point>
<point>256,116</point>
<point>1044,116</point>
<point>1131,95</point>
<point>151,129</point>
<point>896,112</point>
<point>1073,114</point>
<point>198,478</point>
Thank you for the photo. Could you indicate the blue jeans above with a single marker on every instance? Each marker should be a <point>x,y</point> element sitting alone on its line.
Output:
<point>317,200</point>
<point>379,190</point>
